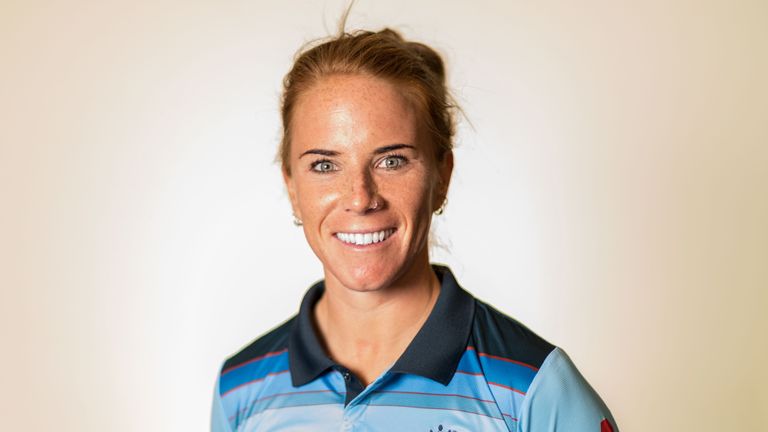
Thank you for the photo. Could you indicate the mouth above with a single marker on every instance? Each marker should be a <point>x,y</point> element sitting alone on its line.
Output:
<point>365,238</point>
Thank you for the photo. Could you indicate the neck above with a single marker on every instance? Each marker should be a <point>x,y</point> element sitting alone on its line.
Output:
<point>367,331</point>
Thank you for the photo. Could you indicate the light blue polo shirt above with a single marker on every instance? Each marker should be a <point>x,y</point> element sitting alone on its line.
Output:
<point>470,368</point>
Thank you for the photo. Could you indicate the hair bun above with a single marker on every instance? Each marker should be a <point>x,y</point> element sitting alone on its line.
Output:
<point>431,59</point>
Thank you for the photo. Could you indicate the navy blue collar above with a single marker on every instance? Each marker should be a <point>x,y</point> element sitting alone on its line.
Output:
<point>434,353</point>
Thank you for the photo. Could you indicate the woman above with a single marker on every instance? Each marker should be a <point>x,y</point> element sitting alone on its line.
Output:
<point>387,341</point>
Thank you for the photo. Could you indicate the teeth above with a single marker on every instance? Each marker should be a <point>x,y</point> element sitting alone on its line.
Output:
<point>361,239</point>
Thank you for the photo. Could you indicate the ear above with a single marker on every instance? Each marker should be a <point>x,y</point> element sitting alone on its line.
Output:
<point>444,172</point>
<point>290,186</point>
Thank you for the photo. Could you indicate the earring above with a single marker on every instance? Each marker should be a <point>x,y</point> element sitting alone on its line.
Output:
<point>297,221</point>
<point>440,210</point>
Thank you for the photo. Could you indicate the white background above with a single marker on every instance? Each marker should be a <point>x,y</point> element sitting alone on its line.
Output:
<point>611,193</point>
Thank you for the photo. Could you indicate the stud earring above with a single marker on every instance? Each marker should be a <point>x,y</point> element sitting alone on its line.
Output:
<point>440,210</point>
<point>297,221</point>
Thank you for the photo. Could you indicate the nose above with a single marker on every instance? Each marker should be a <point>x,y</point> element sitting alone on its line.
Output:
<point>362,193</point>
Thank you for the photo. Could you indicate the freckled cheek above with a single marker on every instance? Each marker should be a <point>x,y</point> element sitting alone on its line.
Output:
<point>411,200</point>
<point>316,202</point>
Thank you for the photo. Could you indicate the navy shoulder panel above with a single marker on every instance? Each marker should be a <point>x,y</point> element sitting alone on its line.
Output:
<point>496,334</point>
<point>270,342</point>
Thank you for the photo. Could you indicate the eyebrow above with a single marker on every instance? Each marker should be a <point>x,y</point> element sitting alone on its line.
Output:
<point>392,147</point>
<point>320,152</point>
<point>380,150</point>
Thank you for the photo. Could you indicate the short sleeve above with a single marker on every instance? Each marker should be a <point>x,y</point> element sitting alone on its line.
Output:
<point>560,399</point>
<point>219,422</point>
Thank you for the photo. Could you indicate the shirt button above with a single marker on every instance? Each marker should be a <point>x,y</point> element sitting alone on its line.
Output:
<point>346,376</point>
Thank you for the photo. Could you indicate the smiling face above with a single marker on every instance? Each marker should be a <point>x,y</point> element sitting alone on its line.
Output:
<point>364,180</point>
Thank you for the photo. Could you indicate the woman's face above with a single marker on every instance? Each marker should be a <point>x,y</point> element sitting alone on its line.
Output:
<point>363,180</point>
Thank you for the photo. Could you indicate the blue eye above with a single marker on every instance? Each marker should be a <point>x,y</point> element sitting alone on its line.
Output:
<point>323,166</point>
<point>393,162</point>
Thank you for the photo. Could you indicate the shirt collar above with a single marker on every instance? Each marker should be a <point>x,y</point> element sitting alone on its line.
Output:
<point>434,353</point>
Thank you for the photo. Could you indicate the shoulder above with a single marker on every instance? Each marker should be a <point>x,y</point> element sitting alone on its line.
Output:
<point>265,356</point>
<point>496,334</point>
<point>509,353</point>
<point>271,344</point>
<point>551,390</point>
<point>561,395</point>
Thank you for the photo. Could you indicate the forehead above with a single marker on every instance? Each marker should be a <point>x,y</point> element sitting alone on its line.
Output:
<point>353,109</point>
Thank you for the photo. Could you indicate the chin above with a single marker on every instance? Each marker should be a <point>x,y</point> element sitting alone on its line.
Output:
<point>366,278</point>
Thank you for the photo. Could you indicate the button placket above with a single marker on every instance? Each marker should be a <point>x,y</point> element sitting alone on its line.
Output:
<point>352,386</point>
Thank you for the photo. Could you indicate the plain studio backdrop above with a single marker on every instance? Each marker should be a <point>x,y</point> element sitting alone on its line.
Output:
<point>610,192</point>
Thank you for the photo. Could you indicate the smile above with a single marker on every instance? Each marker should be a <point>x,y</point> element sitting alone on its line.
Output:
<point>362,239</point>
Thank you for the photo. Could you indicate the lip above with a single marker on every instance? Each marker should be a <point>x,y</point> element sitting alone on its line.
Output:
<point>366,231</point>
